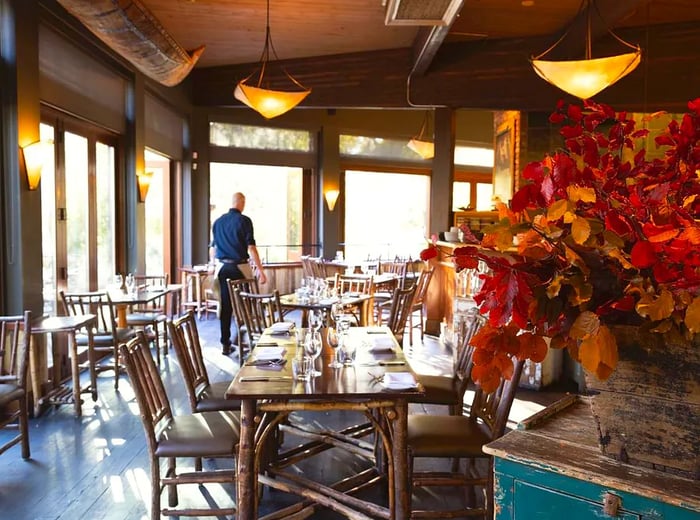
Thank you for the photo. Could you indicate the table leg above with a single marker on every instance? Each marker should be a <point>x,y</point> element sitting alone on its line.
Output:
<point>402,502</point>
<point>75,372</point>
<point>34,369</point>
<point>247,474</point>
<point>121,315</point>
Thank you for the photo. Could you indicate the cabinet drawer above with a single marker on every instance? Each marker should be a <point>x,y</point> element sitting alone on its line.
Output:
<point>533,502</point>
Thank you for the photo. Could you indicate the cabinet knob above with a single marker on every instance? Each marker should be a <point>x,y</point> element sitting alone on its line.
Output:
<point>611,504</point>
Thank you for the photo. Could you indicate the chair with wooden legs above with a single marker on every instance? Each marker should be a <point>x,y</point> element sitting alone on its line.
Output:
<point>418,305</point>
<point>151,317</point>
<point>168,436</point>
<point>259,311</point>
<point>204,395</point>
<point>357,284</point>
<point>106,335</point>
<point>15,337</point>
<point>462,437</point>
<point>399,311</point>
<point>248,285</point>
<point>449,391</point>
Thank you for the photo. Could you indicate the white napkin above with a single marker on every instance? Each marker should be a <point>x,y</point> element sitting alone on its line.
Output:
<point>398,381</point>
<point>266,353</point>
<point>282,327</point>
<point>381,344</point>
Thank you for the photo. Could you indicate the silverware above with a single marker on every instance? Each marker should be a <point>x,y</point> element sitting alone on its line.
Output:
<point>266,362</point>
<point>384,363</point>
<point>264,378</point>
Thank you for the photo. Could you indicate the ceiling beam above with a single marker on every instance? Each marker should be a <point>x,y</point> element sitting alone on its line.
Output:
<point>428,42</point>
<point>493,75</point>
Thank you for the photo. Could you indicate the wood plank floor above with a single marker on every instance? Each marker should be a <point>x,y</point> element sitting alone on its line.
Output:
<point>96,467</point>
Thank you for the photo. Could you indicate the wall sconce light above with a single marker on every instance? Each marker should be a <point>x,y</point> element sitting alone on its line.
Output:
<point>331,198</point>
<point>144,182</point>
<point>34,156</point>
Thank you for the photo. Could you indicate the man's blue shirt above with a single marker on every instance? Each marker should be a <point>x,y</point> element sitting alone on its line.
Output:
<point>233,233</point>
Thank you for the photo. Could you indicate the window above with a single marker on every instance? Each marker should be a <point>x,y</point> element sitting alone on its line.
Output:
<point>472,191</point>
<point>378,222</point>
<point>259,137</point>
<point>273,201</point>
<point>157,213</point>
<point>474,156</point>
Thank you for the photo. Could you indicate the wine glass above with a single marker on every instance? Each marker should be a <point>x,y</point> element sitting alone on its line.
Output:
<point>118,281</point>
<point>312,348</point>
<point>334,340</point>
<point>349,349</point>
<point>316,319</point>
<point>130,283</point>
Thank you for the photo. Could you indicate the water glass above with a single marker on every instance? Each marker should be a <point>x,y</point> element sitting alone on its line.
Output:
<point>312,348</point>
<point>302,368</point>
<point>334,340</point>
<point>130,284</point>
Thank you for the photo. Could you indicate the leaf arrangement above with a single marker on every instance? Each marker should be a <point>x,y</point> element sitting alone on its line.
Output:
<point>600,235</point>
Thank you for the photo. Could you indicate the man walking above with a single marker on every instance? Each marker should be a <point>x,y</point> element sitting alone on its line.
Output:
<point>233,245</point>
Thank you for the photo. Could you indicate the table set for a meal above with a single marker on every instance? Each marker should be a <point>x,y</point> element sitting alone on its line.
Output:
<point>292,370</point>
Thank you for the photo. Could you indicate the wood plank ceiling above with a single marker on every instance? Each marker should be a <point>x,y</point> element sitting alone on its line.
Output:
<point>344,51</point>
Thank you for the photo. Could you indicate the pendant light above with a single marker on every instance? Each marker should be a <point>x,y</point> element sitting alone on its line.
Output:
<point>586,78</point>
<point>423,143</point>
<point>269,103</point>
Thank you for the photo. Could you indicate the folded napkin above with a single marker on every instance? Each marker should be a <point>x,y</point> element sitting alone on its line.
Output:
<point>282,327</point>
<point>268,353</point>
<point>267,364</point>
<point>381,344</point>
<point>399,381</point>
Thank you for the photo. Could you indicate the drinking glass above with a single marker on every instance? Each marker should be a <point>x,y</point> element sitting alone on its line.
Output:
<point>118,281</point>
<point>302,368</point>
<point>312,348</point>
<point>316,319</point>
<point>334,340</point>
<point>130,283</point>
<point>349,350</point>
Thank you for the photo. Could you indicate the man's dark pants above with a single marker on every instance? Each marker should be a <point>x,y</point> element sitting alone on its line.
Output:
<point>227,271</point>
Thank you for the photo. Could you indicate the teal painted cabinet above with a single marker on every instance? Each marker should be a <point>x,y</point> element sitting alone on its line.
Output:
<point>550,468</point>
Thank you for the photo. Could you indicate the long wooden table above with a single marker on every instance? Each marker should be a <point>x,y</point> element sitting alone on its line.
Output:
<point>268,397</point>
<point>362,301</point>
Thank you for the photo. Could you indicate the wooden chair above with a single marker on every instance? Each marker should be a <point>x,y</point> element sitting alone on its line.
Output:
<point>151,318</point>
<point>307,269</point>
<point>106,336</point>
<point>449,391</point>
<point>462,437</point>
<point>200,435</point>
<point>249,285</point>
<point>399,311</point>
<point>259,311</point>
<point>318,268</point>
<point>418,305</point>
<point>398,268</point>
<point>204,396</point>
<point>357,284</point>
<point>15,337</point>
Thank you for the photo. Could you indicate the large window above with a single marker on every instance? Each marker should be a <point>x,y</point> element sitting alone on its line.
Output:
<point>386,214</point>
<point>259,137</point>
<point>273,201</point>
<point>157,213</point>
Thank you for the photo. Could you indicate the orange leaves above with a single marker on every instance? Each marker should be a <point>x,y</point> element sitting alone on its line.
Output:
<point>692,316</point>
<point>656,308</point>
<point>532,347</point>
<point>585,325</point>
<point>580,193</point>
<point>580,230</point>
<point>598,353</point>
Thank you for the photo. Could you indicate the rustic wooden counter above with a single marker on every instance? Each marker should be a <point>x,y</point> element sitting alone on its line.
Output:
<point>551,468</point>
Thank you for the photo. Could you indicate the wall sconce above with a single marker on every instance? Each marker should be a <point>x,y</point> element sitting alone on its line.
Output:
<point>331,198</point>
<point>144,182</point>
<point>34,157</point>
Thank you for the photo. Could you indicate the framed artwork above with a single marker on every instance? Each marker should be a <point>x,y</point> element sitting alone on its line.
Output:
<point>504,161</point>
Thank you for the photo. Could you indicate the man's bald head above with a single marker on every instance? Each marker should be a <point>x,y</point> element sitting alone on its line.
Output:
<point>238,201</point>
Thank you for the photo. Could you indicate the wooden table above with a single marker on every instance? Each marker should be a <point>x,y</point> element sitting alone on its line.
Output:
<point>271,396</point>
<point>123,300</point>
<point>60,394</point>
<point>363,301</point>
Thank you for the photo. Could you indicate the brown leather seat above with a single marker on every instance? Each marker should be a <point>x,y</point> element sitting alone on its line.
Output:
<point>200,435</point>
<point>461,437</point>
<point>15,337</point>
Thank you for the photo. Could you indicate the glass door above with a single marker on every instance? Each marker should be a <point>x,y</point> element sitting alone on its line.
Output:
<point>78,208</point>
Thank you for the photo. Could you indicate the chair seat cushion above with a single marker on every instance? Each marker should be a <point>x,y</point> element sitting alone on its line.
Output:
<point>208,434</point>
<point>10,392</point>
<point>144,318</point>
<point>102,339</point>
<point>212,399</point>
<point>438,390</point>
<point>445,436</point>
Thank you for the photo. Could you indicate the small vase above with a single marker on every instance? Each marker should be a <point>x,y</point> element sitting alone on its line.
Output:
<point>648,411</point>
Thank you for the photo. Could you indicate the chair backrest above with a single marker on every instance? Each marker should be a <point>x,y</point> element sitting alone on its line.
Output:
<point>146,281</point>
<point>148,387</point>
<point>318,268</point>
<point>259,311</point>
<point>492,409</point>
<point>464,350</point>
<point>307,269</point>
<point>348,283</point>
<point>422,285</point>
<point>15,337</point>
<point>248,285</point>
<point>400,310</point>
<point>97,303</point>
<point>398,268</point>
<point>184,336</point>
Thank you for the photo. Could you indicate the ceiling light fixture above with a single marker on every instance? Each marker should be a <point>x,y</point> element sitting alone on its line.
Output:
<point>586,78</point>
<point>422,143</point>
<point>269,103</point>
